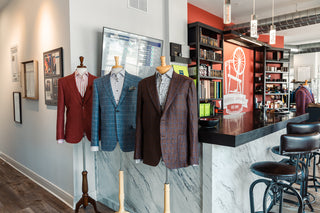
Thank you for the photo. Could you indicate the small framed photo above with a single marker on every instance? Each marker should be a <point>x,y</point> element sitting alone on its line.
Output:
<point>17,107</point>
<point>30,80</point>
<point>53,70</point>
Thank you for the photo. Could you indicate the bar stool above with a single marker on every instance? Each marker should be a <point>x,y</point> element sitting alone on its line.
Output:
<point>304,128</point>
<point>279,175</point>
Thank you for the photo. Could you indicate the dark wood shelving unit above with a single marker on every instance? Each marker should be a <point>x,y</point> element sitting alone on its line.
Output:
<point>206,46</point>
<point>277,59</point>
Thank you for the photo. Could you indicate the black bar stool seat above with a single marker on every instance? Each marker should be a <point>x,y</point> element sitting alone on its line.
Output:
<point>278,176</point>
<point>275,170</point>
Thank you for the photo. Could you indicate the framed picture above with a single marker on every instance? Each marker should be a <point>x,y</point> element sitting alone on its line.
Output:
<point>17,107</point>
<point>30,80</point>
<point>53,70</point>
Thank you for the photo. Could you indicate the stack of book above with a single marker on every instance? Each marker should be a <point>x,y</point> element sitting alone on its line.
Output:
<point>210,89</point>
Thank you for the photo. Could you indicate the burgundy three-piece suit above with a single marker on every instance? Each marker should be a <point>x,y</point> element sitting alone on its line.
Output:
<point>79,109</point>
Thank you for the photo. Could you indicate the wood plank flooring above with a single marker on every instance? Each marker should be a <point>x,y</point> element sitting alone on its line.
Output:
<point>18,194</point>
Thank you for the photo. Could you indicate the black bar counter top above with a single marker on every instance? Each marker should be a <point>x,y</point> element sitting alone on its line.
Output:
<point>235,130</point>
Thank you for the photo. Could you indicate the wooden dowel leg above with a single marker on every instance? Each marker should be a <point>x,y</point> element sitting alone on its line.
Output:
<point>121,194</point>
<point>167,198</point>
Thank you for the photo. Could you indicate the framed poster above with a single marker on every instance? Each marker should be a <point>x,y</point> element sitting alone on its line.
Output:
<point>30,79</point>
<point>53,70</point>
<point>17,107</point>
<point>139,55</point>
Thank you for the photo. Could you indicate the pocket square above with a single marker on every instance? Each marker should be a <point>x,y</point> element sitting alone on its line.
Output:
<point>132,88</point>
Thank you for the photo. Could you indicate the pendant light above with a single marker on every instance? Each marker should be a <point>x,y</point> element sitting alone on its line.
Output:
<point>272,28</point>
<point>254,22</point>
<point>227,12</point>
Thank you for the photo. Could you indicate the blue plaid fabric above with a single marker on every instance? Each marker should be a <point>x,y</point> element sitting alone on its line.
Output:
<point>115,123</point>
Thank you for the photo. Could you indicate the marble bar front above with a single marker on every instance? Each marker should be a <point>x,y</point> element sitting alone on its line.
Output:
<point>220,184</point>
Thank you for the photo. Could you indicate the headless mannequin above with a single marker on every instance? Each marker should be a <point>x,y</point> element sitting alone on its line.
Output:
<point>81,69</point>
<point>85,199</point>
<point>116,69</point>
<point>162,70</point>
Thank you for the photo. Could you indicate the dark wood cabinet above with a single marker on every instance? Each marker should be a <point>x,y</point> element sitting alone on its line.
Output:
<point>271,78</point>
<point>206,68</point>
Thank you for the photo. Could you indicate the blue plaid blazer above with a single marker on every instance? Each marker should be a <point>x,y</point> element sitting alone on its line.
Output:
<point>114,123</point>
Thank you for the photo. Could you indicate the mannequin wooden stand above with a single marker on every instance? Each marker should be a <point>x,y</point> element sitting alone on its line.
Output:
<point>121,186</point>
<point>121,194</point>
<point>85,199</point>
<point>167,194</point>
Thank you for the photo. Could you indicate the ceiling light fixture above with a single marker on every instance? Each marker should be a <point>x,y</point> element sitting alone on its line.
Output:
<point>254,22</point>
<point>227,12</point>
<point>272,28</point>
<point>252,41</point>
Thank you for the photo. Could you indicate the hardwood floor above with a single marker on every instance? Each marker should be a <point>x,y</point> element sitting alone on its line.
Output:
<point>18,194</point>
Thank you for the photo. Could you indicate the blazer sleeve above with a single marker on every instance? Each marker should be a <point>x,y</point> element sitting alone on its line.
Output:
<point>60,112</point>
<point>139,134</point>
<point>193,125</point>
<point>95,129</point>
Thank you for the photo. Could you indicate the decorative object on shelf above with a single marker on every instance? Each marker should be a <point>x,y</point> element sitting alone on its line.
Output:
<point>30,80</point>
<point>182,70</point>
<point>272,28</point>
<point>53,70</point>
<point>17,107</point>
<point>208,122</point>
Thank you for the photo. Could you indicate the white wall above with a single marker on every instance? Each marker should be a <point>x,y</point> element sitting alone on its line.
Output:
<point>87,19</point>
<point>35,26</point>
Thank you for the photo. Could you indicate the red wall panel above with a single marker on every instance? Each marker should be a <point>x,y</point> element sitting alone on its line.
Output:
<point>231,79</point>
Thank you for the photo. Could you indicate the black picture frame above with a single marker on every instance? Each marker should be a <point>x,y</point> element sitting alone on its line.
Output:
<point>17,114</point>
<point>53,70</point>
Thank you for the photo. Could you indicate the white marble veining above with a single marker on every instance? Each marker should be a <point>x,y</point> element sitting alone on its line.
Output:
<point>232,176</point>
<point>144,185</point>
<point>219,185</point>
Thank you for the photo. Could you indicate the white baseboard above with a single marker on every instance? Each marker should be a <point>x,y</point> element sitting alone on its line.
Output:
<point>47,185</point>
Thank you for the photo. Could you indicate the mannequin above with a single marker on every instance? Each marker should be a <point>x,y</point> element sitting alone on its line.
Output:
<point>165,100</point>
<point>303,97</point>
<point>75,95</point>
<point>112,95</point>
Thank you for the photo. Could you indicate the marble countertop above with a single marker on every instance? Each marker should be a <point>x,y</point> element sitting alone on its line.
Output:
<point>235,130</point>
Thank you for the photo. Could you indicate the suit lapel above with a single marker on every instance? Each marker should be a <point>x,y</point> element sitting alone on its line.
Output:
<point>125,87</point>
<point>73,87</point>
<point>173,90</point>
<point>152,89</point>
<point>107,86</point>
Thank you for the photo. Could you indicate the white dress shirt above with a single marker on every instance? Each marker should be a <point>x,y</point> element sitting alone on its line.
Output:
<point>116,80</point>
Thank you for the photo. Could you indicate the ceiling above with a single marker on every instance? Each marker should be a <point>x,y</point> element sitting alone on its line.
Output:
<point>3,3</point>
<point>242,9</point>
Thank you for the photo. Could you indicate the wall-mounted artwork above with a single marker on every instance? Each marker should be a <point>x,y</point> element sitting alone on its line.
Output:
<point>30,80</point>
<point>17,107</point>
<point>53,70</point>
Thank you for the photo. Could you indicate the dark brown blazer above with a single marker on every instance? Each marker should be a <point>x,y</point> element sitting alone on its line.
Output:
<point>173,133</point>
<point>79,110</point>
